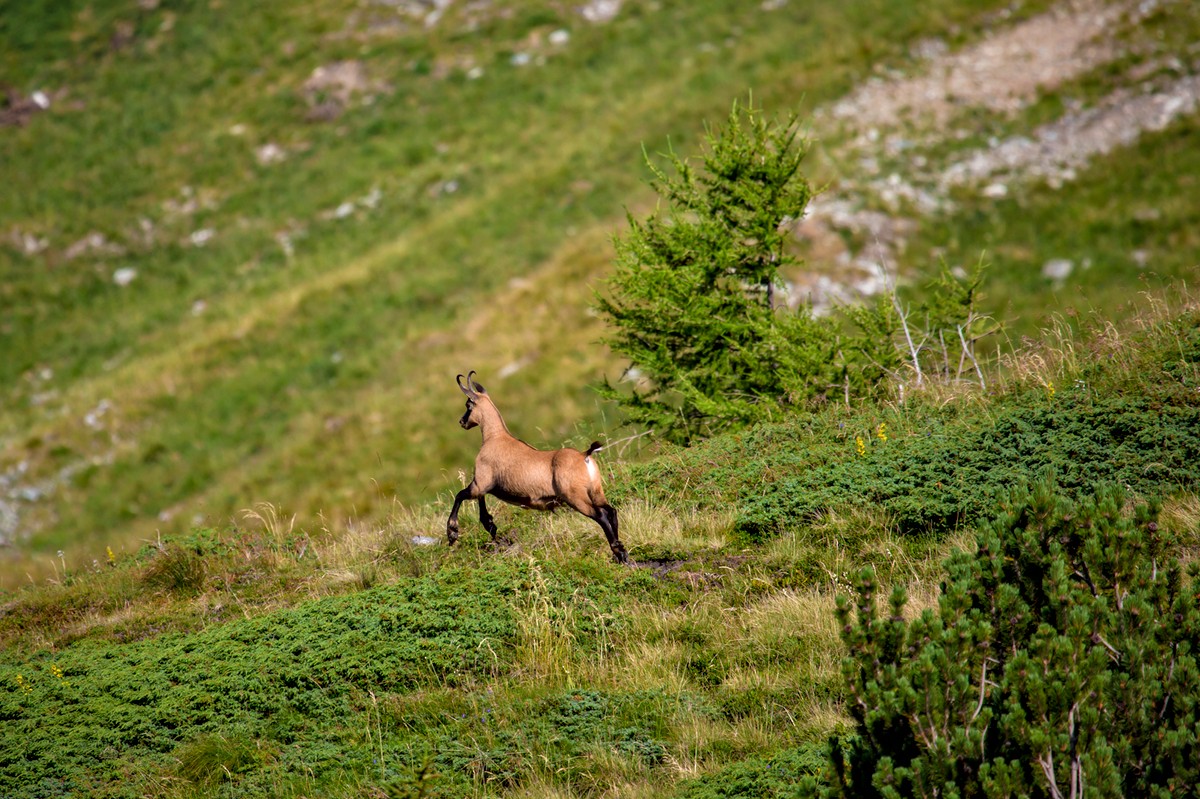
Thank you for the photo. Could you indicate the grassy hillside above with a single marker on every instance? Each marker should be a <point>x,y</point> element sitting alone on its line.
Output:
<point>267,659</point>
<point>243,253</point>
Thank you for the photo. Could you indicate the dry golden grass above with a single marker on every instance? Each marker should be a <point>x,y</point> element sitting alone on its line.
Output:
<point>612,781</point>
<point>675,530</point>
<point>783,616</point>
<point>545,634</point>
<point>1181,516</point>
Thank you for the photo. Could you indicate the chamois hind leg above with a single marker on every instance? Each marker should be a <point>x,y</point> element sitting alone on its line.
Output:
<point>470,492</point>
<point>606,517</point>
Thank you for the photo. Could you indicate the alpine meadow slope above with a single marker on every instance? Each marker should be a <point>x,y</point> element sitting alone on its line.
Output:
<point>243,253</point>
<point>265,658</point>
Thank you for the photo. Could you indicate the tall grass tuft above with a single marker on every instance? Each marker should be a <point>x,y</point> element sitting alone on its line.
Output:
<point>212,759</point>
<point>178,570</point>
<point>545,632</point>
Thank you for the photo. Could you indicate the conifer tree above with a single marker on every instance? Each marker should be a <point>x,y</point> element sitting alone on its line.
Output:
<point>694,299</point>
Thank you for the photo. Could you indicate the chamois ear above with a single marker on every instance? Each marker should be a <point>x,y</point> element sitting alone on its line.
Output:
<point>478,389</point>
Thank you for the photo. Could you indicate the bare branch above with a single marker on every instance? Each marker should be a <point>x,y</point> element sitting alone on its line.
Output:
<point>1046,761</point>
<point>900,312</point>
<point>982,684</point>
<point>624,443</point>
<point>967,351</point>
<point>1113,654</point>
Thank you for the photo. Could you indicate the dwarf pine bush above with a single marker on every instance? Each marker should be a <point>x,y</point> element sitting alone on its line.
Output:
<point>1061,661</point>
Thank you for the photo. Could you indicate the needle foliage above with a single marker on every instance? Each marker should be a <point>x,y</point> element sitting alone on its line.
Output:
<point>1060,661</point>
<point>694,299</point>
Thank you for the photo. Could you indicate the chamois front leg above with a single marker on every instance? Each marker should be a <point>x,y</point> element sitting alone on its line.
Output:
<point>452,523</point>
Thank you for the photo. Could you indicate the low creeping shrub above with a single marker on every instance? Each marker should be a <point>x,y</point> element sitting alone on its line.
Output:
<point>955,472</point>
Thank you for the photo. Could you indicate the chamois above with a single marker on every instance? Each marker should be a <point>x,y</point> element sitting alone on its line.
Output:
<point>514,472</point>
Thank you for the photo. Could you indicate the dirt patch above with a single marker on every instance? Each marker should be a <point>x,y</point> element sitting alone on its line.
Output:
<point>16,109</point>
<point>1003,72</point>
<point>856,233</point>
<point>331,88</point>
<point>660,568</point>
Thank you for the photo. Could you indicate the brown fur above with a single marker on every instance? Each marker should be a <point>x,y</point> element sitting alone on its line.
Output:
<point>511,470</point>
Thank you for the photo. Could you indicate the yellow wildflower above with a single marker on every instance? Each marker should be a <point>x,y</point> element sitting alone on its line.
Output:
<point>881,432</point>
<point>858,445</point>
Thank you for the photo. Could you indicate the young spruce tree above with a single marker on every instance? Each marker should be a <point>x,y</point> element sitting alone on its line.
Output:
<point>694,300</point>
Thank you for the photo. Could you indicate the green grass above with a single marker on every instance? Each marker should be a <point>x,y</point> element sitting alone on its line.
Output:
<point>308,646</point>
<point>232,373</point>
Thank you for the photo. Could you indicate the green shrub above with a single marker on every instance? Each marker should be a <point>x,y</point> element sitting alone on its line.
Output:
<point>500,746</point>
<point>956,471</point>
<point>1062,655</point>
<point>775,777</point>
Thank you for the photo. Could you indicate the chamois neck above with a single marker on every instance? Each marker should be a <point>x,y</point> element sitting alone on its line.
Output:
<point>491,423</point>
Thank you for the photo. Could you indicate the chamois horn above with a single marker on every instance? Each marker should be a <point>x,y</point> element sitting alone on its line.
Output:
<point>471,389</point>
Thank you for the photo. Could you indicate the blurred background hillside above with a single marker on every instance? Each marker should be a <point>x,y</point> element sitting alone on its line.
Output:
<point>244,249</point>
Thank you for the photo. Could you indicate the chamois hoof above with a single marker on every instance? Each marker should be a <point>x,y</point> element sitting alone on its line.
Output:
<point>620,556</point>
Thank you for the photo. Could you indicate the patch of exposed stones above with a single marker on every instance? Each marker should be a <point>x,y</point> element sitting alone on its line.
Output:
<point>1056,151</point>
<point>852,245</point>
<point>19,491</point>
<point>375,19</point>
<point>176,222</point>
<point>1001,73</point>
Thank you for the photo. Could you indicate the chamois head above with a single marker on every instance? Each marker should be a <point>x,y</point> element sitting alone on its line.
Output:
<point>475,393</point>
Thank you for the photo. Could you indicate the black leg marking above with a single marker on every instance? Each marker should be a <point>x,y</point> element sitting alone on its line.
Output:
<point>485,518</point>
<point>606,516</point>
<point>452,522</point>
